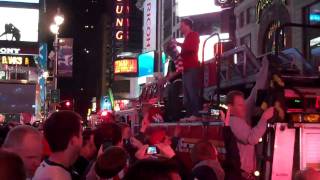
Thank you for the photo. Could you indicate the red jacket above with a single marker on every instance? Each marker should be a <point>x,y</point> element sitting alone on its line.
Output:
<point>189,51</point>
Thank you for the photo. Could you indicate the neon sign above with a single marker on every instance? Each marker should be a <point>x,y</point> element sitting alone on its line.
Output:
<point>122,10</point>
<point>10,50</point>
<point>16,60</point>
<point>125,66</point>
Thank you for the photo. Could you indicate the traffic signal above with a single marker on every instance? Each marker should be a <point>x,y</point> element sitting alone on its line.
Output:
<point>68,103</point>
<point>65,105</point>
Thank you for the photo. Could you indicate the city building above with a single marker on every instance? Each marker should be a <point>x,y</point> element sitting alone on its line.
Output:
<point>258,20</point>
<point>22,82</point>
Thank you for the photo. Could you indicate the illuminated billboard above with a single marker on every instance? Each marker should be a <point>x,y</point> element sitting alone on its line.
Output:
<point>146,63</point>
<point>208,50</point>
<point>19,24</point>
<point>124,66</point>
<point>21,1</point>
<point>190,8</point>
<point>17,98</point>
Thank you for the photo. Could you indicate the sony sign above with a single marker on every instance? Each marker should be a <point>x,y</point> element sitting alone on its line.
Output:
<point>10,50</point>
<point>149,25</point>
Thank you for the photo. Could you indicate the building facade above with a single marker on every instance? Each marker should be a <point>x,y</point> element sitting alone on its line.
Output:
<point>256,22</point>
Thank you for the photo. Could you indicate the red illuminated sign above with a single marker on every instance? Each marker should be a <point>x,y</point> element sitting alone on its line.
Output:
<point>125,66</point>
<point>122,9</point>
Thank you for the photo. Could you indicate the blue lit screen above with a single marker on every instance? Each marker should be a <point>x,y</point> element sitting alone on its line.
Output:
<point>146,63</point>
<point>314,17</point>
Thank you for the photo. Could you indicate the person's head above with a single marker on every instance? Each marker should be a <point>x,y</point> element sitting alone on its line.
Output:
<point>158,135</point>
<point>109,133</point>
<point>88,149</point>
<point>26,142</point>
<point>25,118</point>
<point>236,103</point>
<point>186,26</point>
<point>63,131</point>
<point>126,130</point>
<point>111,162</point>
<point>153,170</point>
<point>307,174</point>
<point>203,150</point>
<point>11,166</point>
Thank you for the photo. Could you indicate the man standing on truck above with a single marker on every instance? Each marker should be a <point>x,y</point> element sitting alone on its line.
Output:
<point>191,69</point>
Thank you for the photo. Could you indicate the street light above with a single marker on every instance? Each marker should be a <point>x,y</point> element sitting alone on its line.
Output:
<point>54,28</point>
<point>58,19</point>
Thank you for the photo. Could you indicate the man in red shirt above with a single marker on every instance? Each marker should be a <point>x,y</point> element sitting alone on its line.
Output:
<point>191,68</point>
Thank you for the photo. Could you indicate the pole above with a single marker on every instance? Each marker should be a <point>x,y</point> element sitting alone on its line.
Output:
<point>56,48</point>
<point>217,60</point>
<point>159,35</point>
<point>55,75</point>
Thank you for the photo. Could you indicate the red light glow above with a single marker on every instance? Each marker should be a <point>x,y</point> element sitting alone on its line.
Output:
<point>68,103</point>
<point>104,113</point>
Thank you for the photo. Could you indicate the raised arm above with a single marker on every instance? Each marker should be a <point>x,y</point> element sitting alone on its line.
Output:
<point>261,81</point>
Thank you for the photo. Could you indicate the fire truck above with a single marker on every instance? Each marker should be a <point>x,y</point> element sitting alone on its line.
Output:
<point>291,142</point>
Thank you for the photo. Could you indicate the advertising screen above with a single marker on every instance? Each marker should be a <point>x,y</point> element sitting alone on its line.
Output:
<point>19,24</point>
<point>190,8</point>
<point>21,1</point>
<point>124,66</point>
<point>146,63</point>
<point>17,98</point>
<point>208,49</point>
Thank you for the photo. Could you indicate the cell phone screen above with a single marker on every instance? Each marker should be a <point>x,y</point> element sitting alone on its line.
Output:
<point>215,112</point>
<point>152,150</point>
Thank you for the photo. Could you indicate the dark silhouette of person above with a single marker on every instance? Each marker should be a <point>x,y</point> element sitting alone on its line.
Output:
<point>11,29</point>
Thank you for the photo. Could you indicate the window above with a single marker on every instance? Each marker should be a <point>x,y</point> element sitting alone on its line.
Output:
<point>314,14</point>
<point>246,40</point>
<point>251,15</point>
<point>312,36</point>
<point>241,20</point>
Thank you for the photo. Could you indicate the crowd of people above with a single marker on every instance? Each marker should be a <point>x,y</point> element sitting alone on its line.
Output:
<point>63,150</point>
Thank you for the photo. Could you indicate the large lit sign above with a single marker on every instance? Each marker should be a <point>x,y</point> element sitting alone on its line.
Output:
<point>149,25</point>
<point>122,10</point>
<point>190,7</point>
<point>17,60</point>
<point>21,1</point>
<point>208,49</point>
<point>123,66</point>
<point>146,63</point>
<point>315,42</point>
<point>19,24</point>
